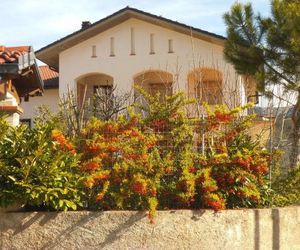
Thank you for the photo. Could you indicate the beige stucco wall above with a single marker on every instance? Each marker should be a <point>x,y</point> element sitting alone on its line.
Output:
<point>189,53</point>
<point>11,101</point>
<point>182,229</point>
<point>49,99</point>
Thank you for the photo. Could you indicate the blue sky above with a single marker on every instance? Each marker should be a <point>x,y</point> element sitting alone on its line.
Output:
<point>40,22</point>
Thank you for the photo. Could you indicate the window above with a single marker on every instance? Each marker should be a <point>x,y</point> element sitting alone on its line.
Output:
<point>206,84</point>
<point>170,46</point>
<point>103,103</point>
<point>162,88</point>
<point>103,95</point>
<point>152,44</point>
<point>112,46</point>
<point>26,121</point>
<point>155,81</point>
<point>102,89</point>
<point>94,52</point>
<point>209,91</point>
<point>132,42</point>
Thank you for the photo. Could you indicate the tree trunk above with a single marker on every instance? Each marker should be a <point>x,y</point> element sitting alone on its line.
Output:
<point>295,154</point>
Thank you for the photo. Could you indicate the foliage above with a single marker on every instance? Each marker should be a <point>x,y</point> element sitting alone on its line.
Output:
<point>39,168</point>
<point>72,114</point>
<point>129,166</point>
<point>105,104</point>
<point>139,162</point>
<point>268,49</point>
<point>287,189</point>
<point>167,119</point>
<point>123,167</point>
<point>238,165</point>
<point>108,104</point>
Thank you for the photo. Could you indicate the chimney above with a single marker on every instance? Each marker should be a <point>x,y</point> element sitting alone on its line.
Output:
<point>85,24</point>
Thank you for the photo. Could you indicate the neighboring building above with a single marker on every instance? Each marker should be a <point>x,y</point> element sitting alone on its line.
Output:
<point>19,77</point>
<point>134,47</point>
<point>50,97</point>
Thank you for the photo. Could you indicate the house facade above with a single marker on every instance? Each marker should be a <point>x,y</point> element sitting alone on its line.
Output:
<point>134,47</point>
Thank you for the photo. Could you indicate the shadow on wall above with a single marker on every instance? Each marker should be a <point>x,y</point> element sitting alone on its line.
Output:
<point>19,224</point>
<point>110,238</point>
<point>114,235</point>
<point>275,229</point>
<point>59,239</point>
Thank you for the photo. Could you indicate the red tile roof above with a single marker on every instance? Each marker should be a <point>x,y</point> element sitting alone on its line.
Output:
<point>47,73</point>
<point>11,54</point>
<point>49,77</point>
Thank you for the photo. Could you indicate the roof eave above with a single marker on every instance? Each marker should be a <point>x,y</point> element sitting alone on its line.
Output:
<point>50,53</point>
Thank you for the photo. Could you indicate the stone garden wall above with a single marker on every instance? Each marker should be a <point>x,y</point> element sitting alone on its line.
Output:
<point>181,229</point>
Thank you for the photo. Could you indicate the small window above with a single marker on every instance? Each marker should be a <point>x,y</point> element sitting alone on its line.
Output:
<point>26,122</point>
<point>170,46</point>
<point>94,52</point>
<point>152,44</point>
<point>112,46</point>
<point>132,42</point>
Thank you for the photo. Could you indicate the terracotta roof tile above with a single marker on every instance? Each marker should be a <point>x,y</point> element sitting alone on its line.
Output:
<point>49,77</point>
<point>11,54</point>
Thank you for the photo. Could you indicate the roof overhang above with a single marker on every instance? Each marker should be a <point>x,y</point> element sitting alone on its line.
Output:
<point>28,81</point>
<point>50,53</point>
<point>24,74</point>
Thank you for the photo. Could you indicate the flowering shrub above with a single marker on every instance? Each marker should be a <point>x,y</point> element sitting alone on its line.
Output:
<point>146,162</point>
<point>128,164</point>
<point>122,165</point>
<point>236,168</point>
<point>168,121</point>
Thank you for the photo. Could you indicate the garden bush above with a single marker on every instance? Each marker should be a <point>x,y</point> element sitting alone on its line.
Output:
<point>38,167</point>
<point>154,157</point>
<point>153,162</point>
<point>286,190</point>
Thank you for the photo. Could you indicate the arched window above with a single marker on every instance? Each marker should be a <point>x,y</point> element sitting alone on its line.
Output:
<point>155,81</point>
<point>206,85</point>
<point>94,83</point>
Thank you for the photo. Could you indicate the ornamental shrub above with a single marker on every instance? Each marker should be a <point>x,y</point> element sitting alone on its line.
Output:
<point>153,161</point>
<point>286,190</point>
<point>123,168</point>
<point>39,168</point>
<point>168,121</point>
<point>149,160</point>
<point>234,169</point>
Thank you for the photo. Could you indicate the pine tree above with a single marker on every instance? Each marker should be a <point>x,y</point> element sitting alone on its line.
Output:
<point>268,49</point>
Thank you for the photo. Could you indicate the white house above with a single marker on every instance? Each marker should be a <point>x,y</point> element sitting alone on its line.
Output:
<point>135,47</point>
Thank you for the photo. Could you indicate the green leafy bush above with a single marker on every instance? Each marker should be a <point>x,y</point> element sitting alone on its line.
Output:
<point>286,190</point>
<point>36,169</point>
